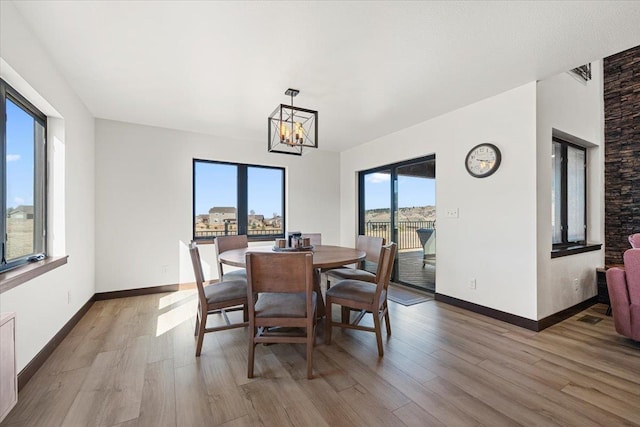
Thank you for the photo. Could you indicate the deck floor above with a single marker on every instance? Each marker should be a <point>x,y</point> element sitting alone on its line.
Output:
<point>412,272</point>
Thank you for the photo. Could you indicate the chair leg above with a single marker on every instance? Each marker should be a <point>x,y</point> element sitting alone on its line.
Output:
<point>310,342</point>
<point>202,327</point>
<point>195,333</point>
<point>378,329</point>
<point>328,324</point>
<point>346,315</point>
<point>386,318</point>
<point>252,350</point>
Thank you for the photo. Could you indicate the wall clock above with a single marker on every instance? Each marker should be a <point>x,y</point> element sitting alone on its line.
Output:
<point>483,160</point>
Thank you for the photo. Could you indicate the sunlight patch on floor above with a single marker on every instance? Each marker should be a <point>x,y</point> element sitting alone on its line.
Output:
<point>174,297</point>
<point>174,317</point>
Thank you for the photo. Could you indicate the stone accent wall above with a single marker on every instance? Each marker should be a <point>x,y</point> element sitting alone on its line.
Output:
<point>622,151</point>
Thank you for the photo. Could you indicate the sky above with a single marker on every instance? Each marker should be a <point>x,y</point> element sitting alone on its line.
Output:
<point>216,185</point>
<point>20,156</point>
<point>412,191</point>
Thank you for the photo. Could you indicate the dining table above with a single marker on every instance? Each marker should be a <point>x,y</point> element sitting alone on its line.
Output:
<point>324,256</point>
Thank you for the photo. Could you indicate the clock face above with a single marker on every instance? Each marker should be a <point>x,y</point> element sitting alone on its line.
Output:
<point>483,160</point>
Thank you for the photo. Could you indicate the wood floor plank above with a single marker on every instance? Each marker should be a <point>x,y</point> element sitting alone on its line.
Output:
<point>227,403</point>
<point>465,403</point>
<point>158,405</point>
<point>88,406</point>
<point>492,391</point>
<point>414,416</point>
<point>131,362</point>
<point>627,410</point>
<point>369,408</point>
<point>554,401</point>
<point>439,408</point>
<point>192,403</point>
<point>123,402</point>
<point>321,393</point>
<point>388,395</point>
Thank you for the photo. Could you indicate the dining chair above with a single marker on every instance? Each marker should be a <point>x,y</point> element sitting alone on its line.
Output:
<point>363,296</point>
<point>371,246</point>
<point>227,243</point>
<point>218,297</point>
<point>284,283</point>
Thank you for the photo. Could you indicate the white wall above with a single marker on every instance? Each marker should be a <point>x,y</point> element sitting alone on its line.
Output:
<point>573,108</point>
<point>41,305</point>
<point>494,240</point>
<point>144,199</point>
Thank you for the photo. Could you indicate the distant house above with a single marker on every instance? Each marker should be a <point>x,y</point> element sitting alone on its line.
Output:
<point>218,215</point>
<point>256,220</point>
<point>21,212</point>
<point>202,219</point>
<point>276,221</point>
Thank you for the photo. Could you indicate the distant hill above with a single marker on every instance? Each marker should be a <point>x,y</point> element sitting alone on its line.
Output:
<point>415,213</point>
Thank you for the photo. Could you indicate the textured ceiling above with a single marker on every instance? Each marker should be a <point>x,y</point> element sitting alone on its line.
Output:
<point>369,68</point>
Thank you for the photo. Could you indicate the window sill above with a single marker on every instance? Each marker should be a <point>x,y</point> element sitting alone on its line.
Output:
<point>576,249</point>
<point>19,275</point>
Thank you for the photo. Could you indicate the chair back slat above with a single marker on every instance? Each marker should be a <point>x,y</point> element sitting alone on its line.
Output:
<point>387,258</point>
<point>227,243</point>
<point>371,245</point>
<point>197,271</point>
<point>279,272</point>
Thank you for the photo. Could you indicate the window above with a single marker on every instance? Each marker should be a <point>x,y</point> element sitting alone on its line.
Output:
<point>231,198</point>
<point>22,179</point>
<point>569,194</point>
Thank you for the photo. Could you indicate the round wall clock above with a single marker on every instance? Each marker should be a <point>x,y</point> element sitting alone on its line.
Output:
<point>483,160</point>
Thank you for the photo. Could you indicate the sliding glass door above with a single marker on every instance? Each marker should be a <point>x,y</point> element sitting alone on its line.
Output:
<point>397,202</point>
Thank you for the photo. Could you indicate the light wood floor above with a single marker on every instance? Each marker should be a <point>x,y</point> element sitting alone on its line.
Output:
<point>130,362</point>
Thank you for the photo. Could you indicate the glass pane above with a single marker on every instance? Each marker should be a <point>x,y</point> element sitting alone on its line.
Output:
<point>377,207</point>
<point>575,194</point>
<point>216,199</point>
<point>20,167</point>
<point>415,219</point>
<point>265,196</point>
<point>556,193</point>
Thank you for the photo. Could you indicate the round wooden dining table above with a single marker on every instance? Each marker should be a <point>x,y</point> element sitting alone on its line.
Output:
<point>324,256</point>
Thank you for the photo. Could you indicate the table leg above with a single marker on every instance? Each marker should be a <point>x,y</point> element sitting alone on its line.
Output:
<point>320,309</point>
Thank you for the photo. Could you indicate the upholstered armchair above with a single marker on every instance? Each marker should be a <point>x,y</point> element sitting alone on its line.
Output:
<point>634,240</point>
<point>624,292</point>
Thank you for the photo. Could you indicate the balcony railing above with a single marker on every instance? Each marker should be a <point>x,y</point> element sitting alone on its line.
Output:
<point>233,232</point>
<point>407,236</point>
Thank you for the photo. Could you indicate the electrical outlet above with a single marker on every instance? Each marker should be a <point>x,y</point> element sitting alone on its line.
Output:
<point>472,283</point>
<point>164,269</point>
<point>452,213</point>
<point>576,284</point>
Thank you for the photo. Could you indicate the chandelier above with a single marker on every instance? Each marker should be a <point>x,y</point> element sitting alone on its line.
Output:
<point>291,129</point>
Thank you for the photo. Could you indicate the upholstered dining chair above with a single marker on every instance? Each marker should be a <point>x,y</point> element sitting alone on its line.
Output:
<point>371,246</point>
<point>634,240</point>
<point>283,283</point>
<point>227,243</point>
<point>364,296</point>
<point>624,293</point>
<point>217,297</point>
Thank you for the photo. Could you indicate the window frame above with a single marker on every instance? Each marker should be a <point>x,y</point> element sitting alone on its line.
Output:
<point>40,177</point>
<point>564,182</point>
<point>242,200</point>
